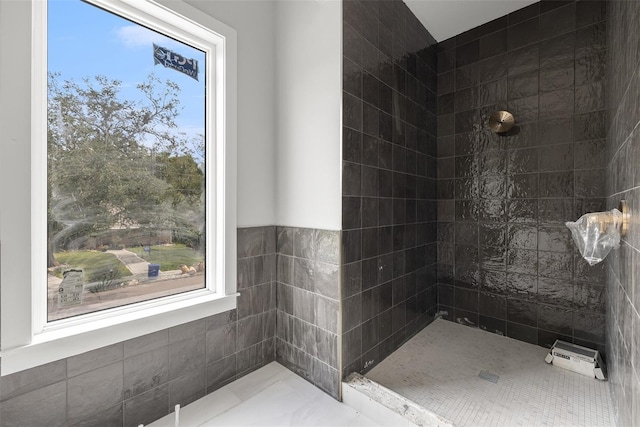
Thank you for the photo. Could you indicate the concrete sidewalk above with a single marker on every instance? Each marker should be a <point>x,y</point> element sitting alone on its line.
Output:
<point>135,264</point>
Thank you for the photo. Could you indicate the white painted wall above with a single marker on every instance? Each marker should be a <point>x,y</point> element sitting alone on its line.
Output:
<point>15,153</point>
<point>254,23</point>
<point>448,18</point>
<point>289,109</point>
<point>309,99</point>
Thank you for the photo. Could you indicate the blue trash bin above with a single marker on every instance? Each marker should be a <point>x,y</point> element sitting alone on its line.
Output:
<point>154,270</point>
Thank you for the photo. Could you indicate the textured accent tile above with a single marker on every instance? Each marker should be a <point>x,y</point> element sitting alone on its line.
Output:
<point>524,59</point>
<point>523,33</point>
<point>558,21</point>
<point>395,233</point>
<point>557,49</point>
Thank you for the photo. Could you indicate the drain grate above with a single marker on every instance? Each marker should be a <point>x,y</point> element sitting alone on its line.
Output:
<point>486,375</point>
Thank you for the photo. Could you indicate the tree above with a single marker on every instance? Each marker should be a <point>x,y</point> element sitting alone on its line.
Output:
<point>103,157</point>
<point>183,175</point>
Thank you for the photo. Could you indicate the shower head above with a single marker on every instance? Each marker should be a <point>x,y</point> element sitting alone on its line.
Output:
<point>501,121</point>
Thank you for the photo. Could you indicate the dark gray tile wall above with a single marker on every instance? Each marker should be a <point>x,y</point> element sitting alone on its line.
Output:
<point>308,308</point>
<point>623,281</point>
<point>506,262</point>
<point>389,180</point>
<point>141,380</point>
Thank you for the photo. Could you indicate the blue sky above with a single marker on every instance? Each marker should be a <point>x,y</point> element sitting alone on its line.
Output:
<point>84,40</point>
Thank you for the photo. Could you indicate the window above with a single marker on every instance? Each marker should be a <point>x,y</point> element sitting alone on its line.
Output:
<point>126,162</point>
<point>132,198</point>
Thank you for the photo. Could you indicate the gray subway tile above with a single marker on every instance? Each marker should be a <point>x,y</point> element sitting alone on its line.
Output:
<point>327,312</point>
<point>270,235</point>
<point>147,407</point>
<point>187,388</point>
<point>250,272</point>
<point>351,282</point>
<point>250,330</point>
<point>269,324</point>
<point>145,371</point>
<point>304,274</point>
<point>326,378</point>
<point>326,278</point>
<point>284,270</point>
<point>304,336</point>
<point>94,392</point>
<point>303,304</point>
<point>269,268</point>
<point>94,359</point>
<point>294,359</point>
<point>269,349</point>
<point>252,358</point>
<point>327,246</point>
<point>304,243</point>
<point>285,298</point>
<point>221,373</point>
<point>146,343</point>
<point>110,417</point>
<point>351,312</point>
<point>255,300</point>
<point>588,325</point>
<point>221,342</point>
<point>44,406</point>
<point>186,355</point>
<point>284,329</point>
<point>32,379</point>
<point>284,240</point>
<point>251,242</point>
<point>186,330</point>
<point>327,347</point>
<point>220,319</point>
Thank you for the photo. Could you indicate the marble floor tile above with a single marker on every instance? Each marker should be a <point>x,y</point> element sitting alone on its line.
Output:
<point>270,396</point>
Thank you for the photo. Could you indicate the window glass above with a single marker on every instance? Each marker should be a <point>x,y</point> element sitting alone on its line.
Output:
<point>125,162</point>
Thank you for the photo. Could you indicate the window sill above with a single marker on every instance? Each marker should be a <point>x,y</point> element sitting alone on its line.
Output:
<point>60,343</point>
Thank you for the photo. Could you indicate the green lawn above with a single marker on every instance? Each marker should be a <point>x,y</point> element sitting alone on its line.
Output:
<point>169,257</point>
<point>95,264</point>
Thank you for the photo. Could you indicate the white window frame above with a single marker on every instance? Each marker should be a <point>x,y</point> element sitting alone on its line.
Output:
<point>27,338</point>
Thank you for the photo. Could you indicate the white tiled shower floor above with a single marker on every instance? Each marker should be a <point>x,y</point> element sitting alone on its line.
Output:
<point>439,370</point>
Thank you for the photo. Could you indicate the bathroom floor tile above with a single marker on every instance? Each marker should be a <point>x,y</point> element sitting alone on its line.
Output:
<point>270,396</point>
<point>474,378</point>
